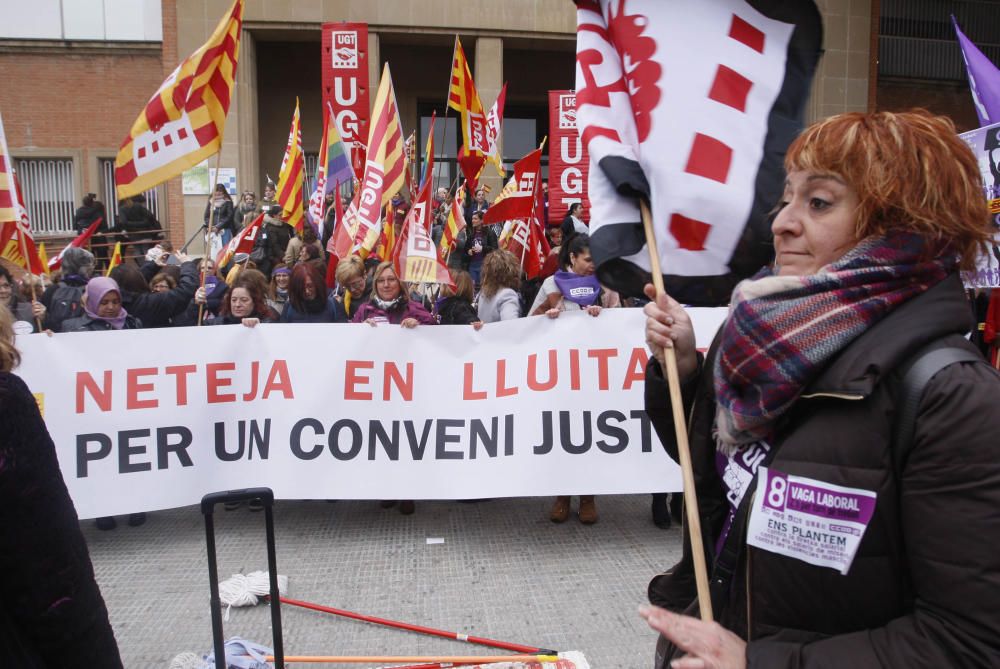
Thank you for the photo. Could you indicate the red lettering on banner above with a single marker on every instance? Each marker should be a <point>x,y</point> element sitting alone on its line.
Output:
<point>254,373</point>
<point>550,383</point>
<point>602,355</point>
<point>352,378</point>
<point>467,392</point>
<point>100,394</point>
<point>214,382</point>
<point>503,390</point>
<point>403,384</point>
<point>279,381</point>
<point>180,373</point>
<point>133,388</point>
<point>636,368</point>
<point>574,369</point>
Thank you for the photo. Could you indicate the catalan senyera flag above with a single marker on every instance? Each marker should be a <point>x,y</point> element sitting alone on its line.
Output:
<point>463,98</point>
<point>290,178</point>
<point>43,258</point>
<point>427,169</point>
<point>387,239</point>
<point>183,123</point>
<point>116,258</point>
<point>455,224</point>
<point>16,241</point>
<point>385,166</point>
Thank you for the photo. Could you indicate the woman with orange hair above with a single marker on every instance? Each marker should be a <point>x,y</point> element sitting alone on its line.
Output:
<point>848,504</point>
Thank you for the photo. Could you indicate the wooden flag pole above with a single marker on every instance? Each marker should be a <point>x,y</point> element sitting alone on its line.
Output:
<point>444,133</point>
<point>27,263</point>
<point>680,429</point>
<point>208,232</point>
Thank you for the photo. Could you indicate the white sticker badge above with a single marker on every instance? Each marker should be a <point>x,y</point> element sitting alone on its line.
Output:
<point>809,520</point>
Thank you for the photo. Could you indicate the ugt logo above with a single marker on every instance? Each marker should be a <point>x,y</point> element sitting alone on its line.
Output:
<point>345,50</point>
<point>567,112</point>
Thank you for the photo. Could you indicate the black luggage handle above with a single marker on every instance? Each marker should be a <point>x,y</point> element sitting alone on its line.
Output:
<point>208,502</point>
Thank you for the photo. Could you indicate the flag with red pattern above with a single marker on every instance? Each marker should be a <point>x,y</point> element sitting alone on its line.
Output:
<point>79,242</point>
<point>241,243</point>
<point>689,106</point>
<point>521,203</point>
<point>415,256</point>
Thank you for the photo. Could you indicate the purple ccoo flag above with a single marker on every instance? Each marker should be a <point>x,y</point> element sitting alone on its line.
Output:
<point>984,79</point>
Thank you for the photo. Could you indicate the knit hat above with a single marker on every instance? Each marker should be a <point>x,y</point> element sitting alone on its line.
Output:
<point>78,261</point>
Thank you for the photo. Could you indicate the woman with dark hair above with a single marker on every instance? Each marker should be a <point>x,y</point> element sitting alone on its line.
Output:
<point>246,302</point>
<point>307,299</point>
<point>572,223</point>
<point>220,214</point>
<point>64,299</point>
<point>389,303</point>
<point>455,305</point>
<point>295,245</point>
<point>499,299</point>
<point>575,286</point>
<point>23,310</point>
<point>480,241</point>
<point>52,614</point>
<point>156,309</point>
<point>843,431</point>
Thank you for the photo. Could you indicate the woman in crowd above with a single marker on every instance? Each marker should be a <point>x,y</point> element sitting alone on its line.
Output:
<point>575,286</point>
<point>23,310</point>
<point>220,214</point>
<point>572,223</point>
<point>455,307</point>
<point>277,290</point>
<point>156,309</point>
<point>480,241</point>
<point>879,214</point>
<point>389,303</point>
<point>246,302</point>
<point>499,299</point>
<point>64,299</point>
<point>52,614</point>
<point>103,310</point>
<point>295,245</point>
<point>247,209</point>
<point>307,299</point>
<point>162,283</point>
<point>354,284</point>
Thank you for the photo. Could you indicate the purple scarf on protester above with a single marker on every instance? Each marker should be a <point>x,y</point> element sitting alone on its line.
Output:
<point>782,331</point>
<point>584,290</point>
<point>97,288</point>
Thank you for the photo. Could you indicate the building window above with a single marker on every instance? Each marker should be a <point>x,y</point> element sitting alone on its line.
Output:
<point>47,187</point>
<point>98,20</point>
<point>108,195</point>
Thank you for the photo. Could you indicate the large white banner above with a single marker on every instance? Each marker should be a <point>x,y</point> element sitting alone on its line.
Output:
<point>152,419</point>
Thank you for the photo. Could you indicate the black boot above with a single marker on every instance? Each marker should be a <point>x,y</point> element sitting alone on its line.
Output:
<point>661,513</point>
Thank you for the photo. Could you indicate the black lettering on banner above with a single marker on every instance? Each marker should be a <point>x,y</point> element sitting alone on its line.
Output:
<point>444,438</point>
<point>263,442</point>
<point>508,434</point>
<point>417,446</point>
<point>546,445</point>
<point>126,451</point>
<point>566,438</point>
<point>334,439</point>
<point>85,455</point>
<point>295,439</point>
<point>490,438</point>
<point>612,431</point>
<point>245,441</point>
<point>645,428</point>
<point>164,448</point>
<point>390,444</point>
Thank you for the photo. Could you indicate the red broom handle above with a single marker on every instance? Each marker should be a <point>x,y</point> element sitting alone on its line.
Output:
<point>515,647</point>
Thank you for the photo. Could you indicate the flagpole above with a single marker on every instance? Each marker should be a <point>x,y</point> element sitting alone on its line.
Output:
<point>208,233</point>
<point>27,265</point>
<point>447,108</point>
<point>680,430</point>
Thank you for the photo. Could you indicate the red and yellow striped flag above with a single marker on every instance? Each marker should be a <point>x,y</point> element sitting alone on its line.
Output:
<point>455,224</point>
<point>183,123</point>
<point>8,194</point>
<point>384,166</point>
<point>116,258</point>
<point>290,178</point>
<point>463,98</point>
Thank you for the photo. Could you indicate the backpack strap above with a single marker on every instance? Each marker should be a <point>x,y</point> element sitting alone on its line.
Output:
<point>922,368</point>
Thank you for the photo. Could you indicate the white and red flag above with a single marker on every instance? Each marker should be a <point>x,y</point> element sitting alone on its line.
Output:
<point>521,203</point>
<point>79,242</point>
<point>241,243</point>
<point>689,105</point>
<point>414,254</point>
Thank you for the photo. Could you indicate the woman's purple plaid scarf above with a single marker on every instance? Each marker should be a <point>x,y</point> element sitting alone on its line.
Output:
<point>783,330</point>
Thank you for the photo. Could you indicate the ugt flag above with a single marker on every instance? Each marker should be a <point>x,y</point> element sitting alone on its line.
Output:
<point>690,105</point>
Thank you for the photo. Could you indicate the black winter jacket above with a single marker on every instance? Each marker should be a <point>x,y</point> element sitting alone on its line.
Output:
<point>923,587</point>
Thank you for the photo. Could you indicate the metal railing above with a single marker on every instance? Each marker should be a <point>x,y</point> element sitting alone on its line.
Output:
<point>47,185</point>
<point>109,197</point>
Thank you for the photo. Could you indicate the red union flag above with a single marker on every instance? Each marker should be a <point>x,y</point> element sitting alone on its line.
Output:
<point>241,243</point>
<point>345,84</point>
<point>182,124</point>
<point>689,105</point>
<point>521,203</point>
<point>415,256</point>
<point>568,160</point>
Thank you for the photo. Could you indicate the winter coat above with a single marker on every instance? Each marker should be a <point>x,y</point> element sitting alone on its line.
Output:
<point>157,310</point>
<point>456,311</point>
<point>52,614</point>
<point>63,300</point>
<point>221,215</point>
<point>408,309</point>
<point>269,247</point>
<point>923,586</point>
<point>504,305</point>
<point>139,222</point>
<point>85,217</point>
<point>487,238</point>
<point>333,312</point>
<point>88,324</point>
